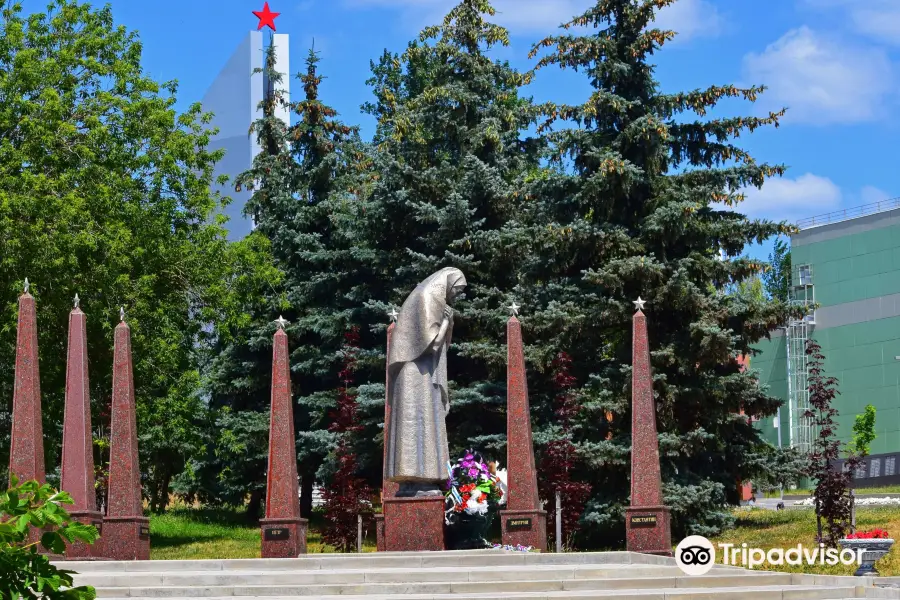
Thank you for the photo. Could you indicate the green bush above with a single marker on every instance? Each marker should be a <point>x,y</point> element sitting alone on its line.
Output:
<point>24,572</point>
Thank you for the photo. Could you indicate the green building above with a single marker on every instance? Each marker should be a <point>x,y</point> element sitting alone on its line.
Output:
<point>848,265</point>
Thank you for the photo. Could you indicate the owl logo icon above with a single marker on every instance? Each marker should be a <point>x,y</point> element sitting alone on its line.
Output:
<point>695,555</point>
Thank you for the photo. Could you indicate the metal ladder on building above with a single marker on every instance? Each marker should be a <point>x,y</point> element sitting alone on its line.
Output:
<point>802,293</point>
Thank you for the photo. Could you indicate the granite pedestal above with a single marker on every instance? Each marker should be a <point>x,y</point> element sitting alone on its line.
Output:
<point>283,538</point>
<point>414,524</point>
<point>126,538</point>
<point>524,527</point>
<point>648,529</point>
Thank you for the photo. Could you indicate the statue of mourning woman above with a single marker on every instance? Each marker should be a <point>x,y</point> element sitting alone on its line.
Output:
<point>417,450</point>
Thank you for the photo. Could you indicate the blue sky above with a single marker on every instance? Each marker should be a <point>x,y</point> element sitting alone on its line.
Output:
<point>833,63</point>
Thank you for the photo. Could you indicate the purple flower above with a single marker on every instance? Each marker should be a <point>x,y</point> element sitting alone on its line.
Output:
<point>469,457</point>
<point>473,472</point>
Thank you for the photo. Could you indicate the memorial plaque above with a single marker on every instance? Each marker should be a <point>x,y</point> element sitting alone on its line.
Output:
<point>643,520</point>
<point>99,526</point>
<point>144,532</point>
<point>277,534</point>
<point>518,524</point>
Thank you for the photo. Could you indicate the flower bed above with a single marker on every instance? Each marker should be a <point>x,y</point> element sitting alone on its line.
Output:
<point>873,534</point>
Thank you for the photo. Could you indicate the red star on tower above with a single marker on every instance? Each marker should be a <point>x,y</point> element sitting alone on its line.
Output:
<point>266,17</point>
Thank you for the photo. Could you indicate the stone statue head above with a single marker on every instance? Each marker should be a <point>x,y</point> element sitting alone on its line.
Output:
<point>456,283</point>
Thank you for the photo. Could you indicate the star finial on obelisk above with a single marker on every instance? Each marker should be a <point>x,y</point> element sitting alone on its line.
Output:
<point>514,308</point>
<point>77,300</point>
<point>639,304</point>
<point>393,315</point>
<point>27,285</point>
<point>281,322</point>
<point>122,314</point>
<point>266,17</point>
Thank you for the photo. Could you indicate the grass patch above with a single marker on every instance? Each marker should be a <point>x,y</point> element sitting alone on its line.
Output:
<point>204,533</point>
<point>768,529</point>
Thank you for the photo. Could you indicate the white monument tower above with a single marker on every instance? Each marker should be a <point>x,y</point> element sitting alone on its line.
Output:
<point>234,98</point>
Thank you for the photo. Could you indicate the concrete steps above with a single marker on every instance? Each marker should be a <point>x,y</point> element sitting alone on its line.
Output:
<point>475,575</point>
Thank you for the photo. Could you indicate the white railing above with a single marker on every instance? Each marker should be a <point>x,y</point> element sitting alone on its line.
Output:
<point>849,213</point>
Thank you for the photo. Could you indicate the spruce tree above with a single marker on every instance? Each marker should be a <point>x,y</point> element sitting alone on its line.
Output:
<point>304,183</point>
<point>640,200</point>
<point>451,157</point>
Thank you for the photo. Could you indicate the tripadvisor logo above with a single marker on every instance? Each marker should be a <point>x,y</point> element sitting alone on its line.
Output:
<point>696,555</point>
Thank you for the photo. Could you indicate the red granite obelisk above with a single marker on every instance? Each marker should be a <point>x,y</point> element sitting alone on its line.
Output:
<point>26,455</point>
<point>388,488</point>
<point>283,531</point>
<point>126,531</point>
<point>77,473</point>
<point>647,521</point>
<point>522,522</point>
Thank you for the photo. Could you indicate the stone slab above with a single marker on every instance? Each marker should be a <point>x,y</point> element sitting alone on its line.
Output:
<point>412,524</point>
<point>654,539</point>
<point>283,538</point>
<point>524,527</point>
<point>125,538</point>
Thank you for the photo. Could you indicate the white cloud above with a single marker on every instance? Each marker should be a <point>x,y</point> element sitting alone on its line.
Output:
<point>870,194</point>
<point>691,19</point>
<point>878,19</point>
<point>820,79</point>
<point>791,199</point>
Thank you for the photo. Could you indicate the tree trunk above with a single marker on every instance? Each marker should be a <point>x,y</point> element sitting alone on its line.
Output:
<point>254,506</point>
<point>306,492</point>
<point>161,498</point>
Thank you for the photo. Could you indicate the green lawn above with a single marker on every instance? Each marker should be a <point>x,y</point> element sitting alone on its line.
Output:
<point>185,533</point>
<point>193,534</point>
<point>768,529</point>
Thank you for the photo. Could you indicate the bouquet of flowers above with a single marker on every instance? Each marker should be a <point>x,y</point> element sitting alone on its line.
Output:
<point>470,487</point>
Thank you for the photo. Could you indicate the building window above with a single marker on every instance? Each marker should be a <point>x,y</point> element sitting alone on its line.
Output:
<point>860,471</point>
<point>889,468</point>
<point>875,468</point>
<point>805,275</point>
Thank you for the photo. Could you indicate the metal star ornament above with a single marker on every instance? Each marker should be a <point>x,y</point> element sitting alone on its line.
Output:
<point>27,285</point>
<point>639,304</point>
<point>393,315</point>
<point>514,308</point>
<point>266,17</point>
<point>77,300</point>
<point>122,314</point>
<point>281,322</point>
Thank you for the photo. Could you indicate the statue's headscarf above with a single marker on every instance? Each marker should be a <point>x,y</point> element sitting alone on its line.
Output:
<point>421,315</point>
